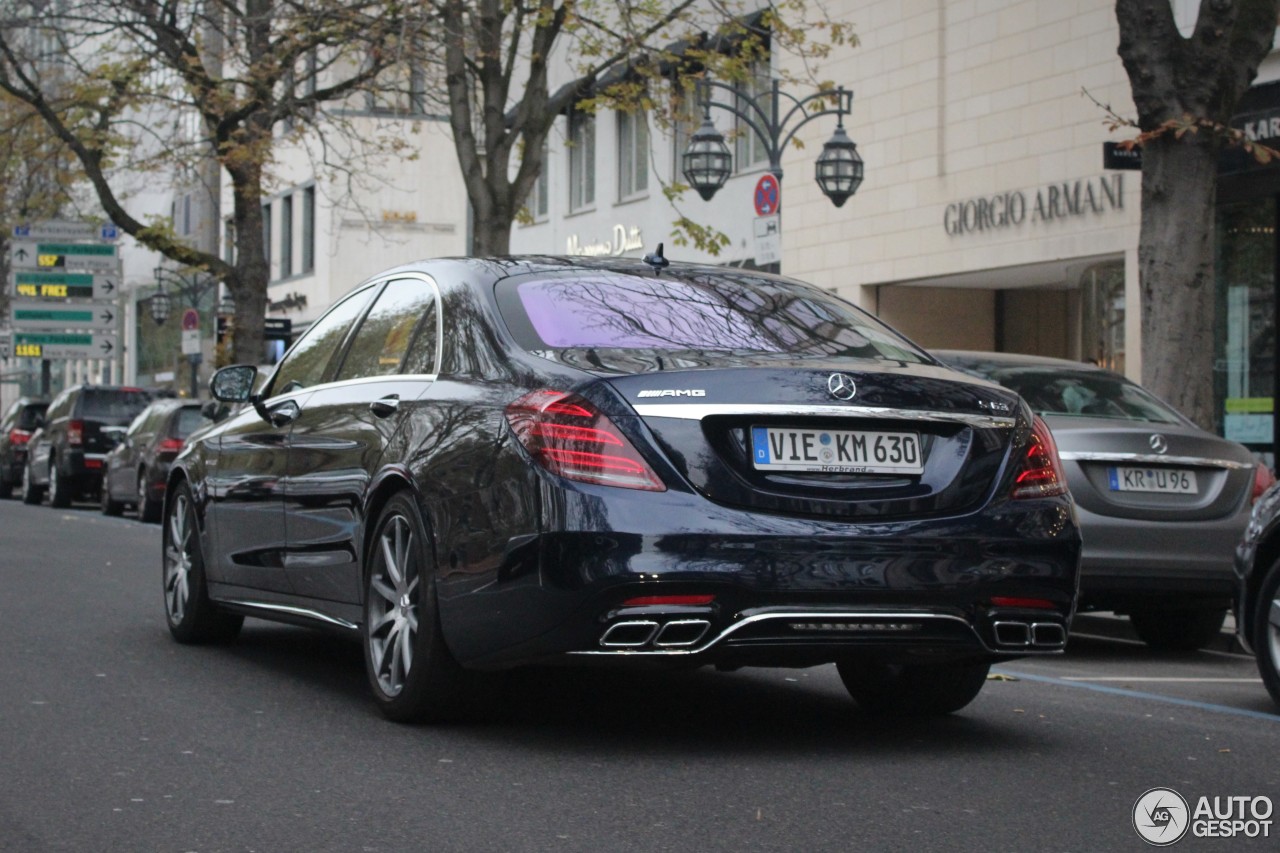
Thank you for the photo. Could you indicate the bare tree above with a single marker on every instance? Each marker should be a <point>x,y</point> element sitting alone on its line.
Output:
<point>497,58</point>
<point>1185,90</point>
<point>123,84</point>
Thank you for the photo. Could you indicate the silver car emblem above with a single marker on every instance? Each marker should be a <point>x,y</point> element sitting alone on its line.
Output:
<point>1158,442</point>
<point>841,386</point>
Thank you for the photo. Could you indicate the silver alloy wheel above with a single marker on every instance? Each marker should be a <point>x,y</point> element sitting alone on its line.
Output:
<point>177,560</point>
<point>53,483</point>
<point>392,608</point>
<point>142,488</point>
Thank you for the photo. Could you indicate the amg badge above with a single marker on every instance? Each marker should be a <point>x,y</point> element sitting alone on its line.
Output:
<point>668,392</point>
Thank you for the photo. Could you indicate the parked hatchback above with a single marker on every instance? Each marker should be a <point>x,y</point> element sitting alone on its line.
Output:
<point>1162,503</point>
<point>476,464</point>
<point>82,424</point>
<point>16,427</point>
<point>135,471</point>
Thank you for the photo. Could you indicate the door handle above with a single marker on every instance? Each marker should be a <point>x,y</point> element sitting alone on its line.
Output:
<point>385,407</point>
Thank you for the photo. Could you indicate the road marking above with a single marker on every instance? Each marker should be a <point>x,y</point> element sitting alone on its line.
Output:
<point>1138,694</point>
<point>1237,655</point>
<point>1168,680</point>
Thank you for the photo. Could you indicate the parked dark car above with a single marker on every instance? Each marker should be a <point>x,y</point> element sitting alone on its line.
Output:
<point>477,464</point>
<point>1257,567</point>
<point>135,471</point>
<point>66,454</point>
<point>16,427</point>
<point>1162,503</point>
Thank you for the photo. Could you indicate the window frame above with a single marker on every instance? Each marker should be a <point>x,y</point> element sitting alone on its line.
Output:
<point>582,167</point>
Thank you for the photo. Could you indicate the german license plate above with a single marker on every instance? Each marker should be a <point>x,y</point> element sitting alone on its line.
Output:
<point>1174,481</point>
<point>836,451</point>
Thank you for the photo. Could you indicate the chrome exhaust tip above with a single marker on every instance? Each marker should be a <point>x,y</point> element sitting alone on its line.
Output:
<point>629,635</point>
<point>681,632</point>
<point>1048,634</point>
<point>1012,633</point>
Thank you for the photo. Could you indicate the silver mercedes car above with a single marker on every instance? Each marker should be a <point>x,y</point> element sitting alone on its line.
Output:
<point>1161,502</point>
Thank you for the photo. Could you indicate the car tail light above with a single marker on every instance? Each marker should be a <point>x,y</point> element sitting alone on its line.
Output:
<point>1012,601</point>
<point>668,600</point>
<point>1041,474</point>
<point>1263,479</point>
<point>19,436</point>
<point>75,432</point>
<point>93,463</point>
<point>169,445</point>
<point>573,439</point>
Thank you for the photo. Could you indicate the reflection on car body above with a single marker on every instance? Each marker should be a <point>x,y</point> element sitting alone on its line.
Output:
<point>464,464</point>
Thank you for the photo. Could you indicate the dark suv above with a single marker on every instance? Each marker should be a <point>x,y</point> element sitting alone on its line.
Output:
<point>81,425</point>
<point>16,427</point>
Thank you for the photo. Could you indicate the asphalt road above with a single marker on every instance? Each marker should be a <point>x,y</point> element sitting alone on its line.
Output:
<point>113,737</point>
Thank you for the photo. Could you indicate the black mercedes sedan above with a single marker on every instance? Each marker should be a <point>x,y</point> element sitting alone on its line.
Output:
<point>474,464</point>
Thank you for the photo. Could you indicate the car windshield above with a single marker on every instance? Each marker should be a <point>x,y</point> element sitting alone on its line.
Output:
<point>705,313</point>
<point>113,404</point>
<point>1085,393</point>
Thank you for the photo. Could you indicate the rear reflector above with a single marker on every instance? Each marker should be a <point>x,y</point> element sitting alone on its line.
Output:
<point>1041,475</point>
<point>668,600</point>
<point>1010,601</point>
<point>571,438</point>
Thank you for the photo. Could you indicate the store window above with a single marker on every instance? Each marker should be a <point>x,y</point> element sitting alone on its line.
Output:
<point>1245,337</point>
<point>1102,316</point>
<point>582,160</point>
<point>633,154</point>
<point>750,150</point>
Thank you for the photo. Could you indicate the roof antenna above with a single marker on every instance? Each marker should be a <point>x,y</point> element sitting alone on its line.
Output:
<point>657,261</point>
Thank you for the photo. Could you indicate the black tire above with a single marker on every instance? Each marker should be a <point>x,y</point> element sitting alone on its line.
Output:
<point>1266,632</point>
<point>110,506</point>
<point>1177,629</point>
<point>192,617</point>
<point>6,489</point>
<point>59,487</point>
<point>915,689</point>
<point>148,509</point>
<point>401,616</point>
<point>31,493</point>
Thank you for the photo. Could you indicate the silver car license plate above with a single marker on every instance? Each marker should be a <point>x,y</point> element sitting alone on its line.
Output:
<point>836,451</point>
<point>1174,481</point>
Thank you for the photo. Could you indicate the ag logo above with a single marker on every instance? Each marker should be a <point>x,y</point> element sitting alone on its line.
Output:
<point>1161,816</point>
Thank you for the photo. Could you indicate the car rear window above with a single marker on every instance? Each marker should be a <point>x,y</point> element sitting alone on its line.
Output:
<point>28,416</point>
<point>113,404</point>
<point>1086,393</point>
<point>188,421</point>
<point>711,313</point>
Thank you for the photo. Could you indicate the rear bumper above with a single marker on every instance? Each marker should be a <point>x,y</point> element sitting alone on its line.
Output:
<point>786,591</point>
<point>1128,563</point>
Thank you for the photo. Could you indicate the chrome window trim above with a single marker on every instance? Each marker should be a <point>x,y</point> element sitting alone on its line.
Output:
<point>698,411</point>
<point>360,380</point>
<point>1151,458</point>
<point>294,611</point>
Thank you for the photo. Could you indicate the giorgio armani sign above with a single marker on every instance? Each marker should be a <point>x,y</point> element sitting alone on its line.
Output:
<point>1070,200</point>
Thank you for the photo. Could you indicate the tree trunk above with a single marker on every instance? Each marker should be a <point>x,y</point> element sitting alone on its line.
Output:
<point>1175,251</point>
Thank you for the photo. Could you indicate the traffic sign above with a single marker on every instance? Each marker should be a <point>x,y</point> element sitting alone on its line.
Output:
<point>768,242</point>
<point>766,196</point>
<point>60,286</point>
<point>63,345</point>
<point>25,254</point>
<point>190,341</point>
<point>190,320</point>
<point>6,343</point>
<point>61,229</point>
<point>45,316</point>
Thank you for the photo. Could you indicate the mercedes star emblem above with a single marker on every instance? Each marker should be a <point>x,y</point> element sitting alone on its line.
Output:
<point>841,386</point>
<point>1158,443</point>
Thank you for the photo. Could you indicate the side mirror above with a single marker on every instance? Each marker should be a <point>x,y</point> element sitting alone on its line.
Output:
<point>233,384</point>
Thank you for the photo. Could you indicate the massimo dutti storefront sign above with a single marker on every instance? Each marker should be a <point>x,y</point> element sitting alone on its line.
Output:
<point>1055,202</point>
<point>624,239</point>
